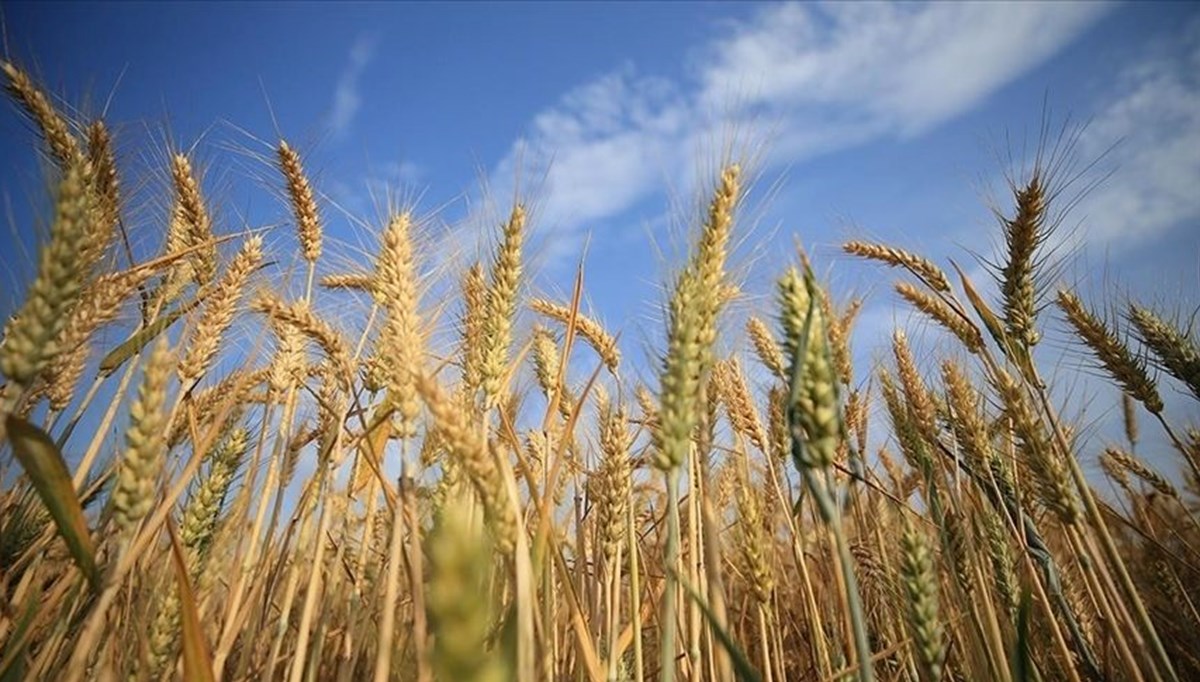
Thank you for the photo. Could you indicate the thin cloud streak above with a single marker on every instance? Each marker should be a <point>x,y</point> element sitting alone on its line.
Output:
<point>1155,123</point>
<point>822,77</point>
<point>347,97</point>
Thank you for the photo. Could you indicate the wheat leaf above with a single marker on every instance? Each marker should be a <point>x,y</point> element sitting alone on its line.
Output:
<point>197,662</point>
<point>135,343</point>
<point>43,463</point>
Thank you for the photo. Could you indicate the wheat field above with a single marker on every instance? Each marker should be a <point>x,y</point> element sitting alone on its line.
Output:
<point>198,458</point>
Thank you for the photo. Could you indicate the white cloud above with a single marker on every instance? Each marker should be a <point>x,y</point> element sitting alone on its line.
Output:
<point>602,147</point>
<point>822,77</point>
<point>1155,123</point>
<point>899,68</point>
<point>346,96</point>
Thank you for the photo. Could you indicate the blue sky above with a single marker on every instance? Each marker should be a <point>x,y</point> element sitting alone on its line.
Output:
<point>889,122</point>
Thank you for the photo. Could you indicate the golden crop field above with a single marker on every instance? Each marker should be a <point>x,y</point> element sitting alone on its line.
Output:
<point>196,447</point>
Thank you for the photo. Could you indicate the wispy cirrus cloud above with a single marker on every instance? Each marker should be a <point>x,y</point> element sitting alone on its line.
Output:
<point>347,98</point>
<point>822,77</point>
<point>895,68</point>
<point>613,134</point>
<point>1135,160</point>
<point>1153,117</point>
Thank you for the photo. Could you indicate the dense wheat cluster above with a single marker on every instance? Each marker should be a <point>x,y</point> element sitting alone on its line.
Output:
<point>208,490</point>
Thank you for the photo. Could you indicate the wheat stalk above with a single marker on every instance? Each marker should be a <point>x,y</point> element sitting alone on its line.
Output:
<point>194,222</point>
<point>601,341</point>
<point>1115,356</point>
<point>399,347</point>
<point>962,327</point>
<point>145,444</point>
<point>922,267</point>
<point>1023,235</point>
<point>55,128</point>
<point>304,202</point>
<point>32,336</point>
<point>1176,352</point>
<point>219,311</point>
<point>496,326</point>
